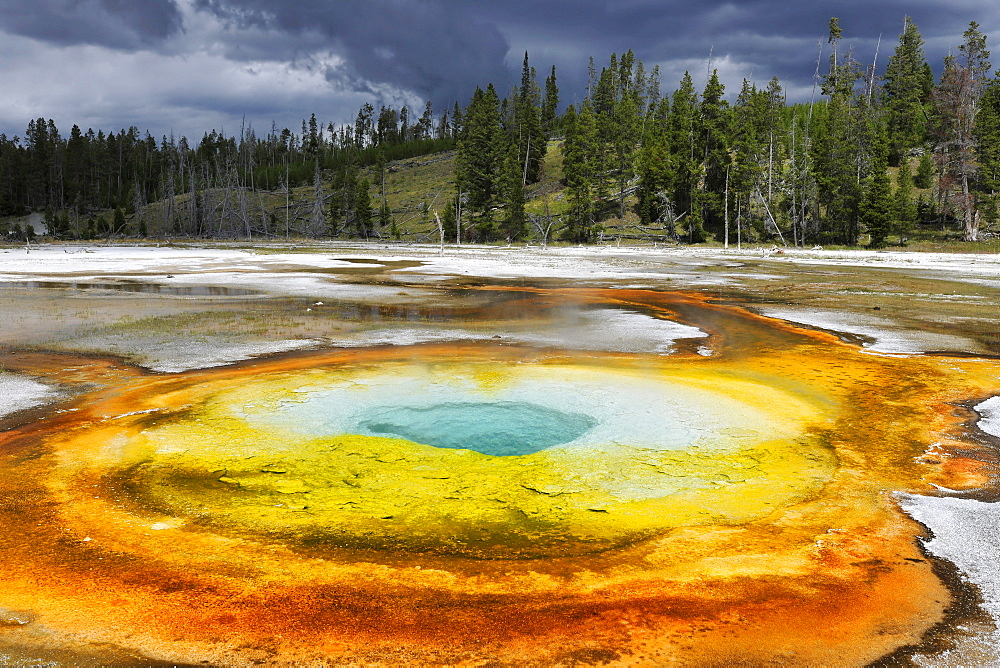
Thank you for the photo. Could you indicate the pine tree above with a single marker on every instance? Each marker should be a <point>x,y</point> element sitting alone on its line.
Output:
<point>550,105</point>
<point>756,149</point>
<point>363,126</point>
<point>987,133</point>
<point>877,206</point>
<point>482,159</point>
<point>905,94</point>
<point>603,104</point>
<point>713,129</point>
<point>905,206</point>
<point>385,219</point>
<point>457,122</point>
<point>775,130</point>
<point>624,125</point>
<point>654,166</point>
<point>747,146</point>
<point>841,145</point>
<point>318,222</point>
<point>514,224</point>
<point>685,162</point>
<point>426,122</point>
<point>405,132</point>
<point>449,219</point>
<point>925,172</point>
<point>119,223</point>
<point>443,129</point>
<point>527,131</point>
<point>578,170</point>
<point>362,208</point>
<point>41,149</point>
<point>313,141</point>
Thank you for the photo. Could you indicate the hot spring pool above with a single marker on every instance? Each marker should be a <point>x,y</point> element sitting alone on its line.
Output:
<point>498,429</point>
<point>479,457</point>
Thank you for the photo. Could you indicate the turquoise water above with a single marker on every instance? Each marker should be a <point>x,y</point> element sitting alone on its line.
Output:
<point>499,429</point>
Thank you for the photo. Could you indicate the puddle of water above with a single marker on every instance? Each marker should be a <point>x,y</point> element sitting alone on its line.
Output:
<point>364,267</point>
<point>388,313</point>
<point>143,288</point>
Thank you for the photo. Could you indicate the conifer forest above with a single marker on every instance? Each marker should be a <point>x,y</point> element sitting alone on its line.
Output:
<point>878,149</point>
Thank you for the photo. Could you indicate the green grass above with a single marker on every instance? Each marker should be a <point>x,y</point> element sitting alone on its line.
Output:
<point>411,183</point>
<point>431,180</point>
<point>548,196</point>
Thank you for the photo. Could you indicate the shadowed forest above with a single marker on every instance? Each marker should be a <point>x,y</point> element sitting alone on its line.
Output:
<point>879,150</point>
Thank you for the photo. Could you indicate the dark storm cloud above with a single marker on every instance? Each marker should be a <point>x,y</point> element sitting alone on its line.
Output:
<point>439,50</point>
<point>189,65</point>
<point>119,24</point>
<point>762,38</point>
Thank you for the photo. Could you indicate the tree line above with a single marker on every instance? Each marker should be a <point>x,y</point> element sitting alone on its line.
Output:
<point>693,166</point>
<point>89,184</point>
<point>844,167</point>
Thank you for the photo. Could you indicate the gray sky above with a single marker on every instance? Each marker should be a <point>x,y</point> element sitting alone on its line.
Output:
<point>188,66</point>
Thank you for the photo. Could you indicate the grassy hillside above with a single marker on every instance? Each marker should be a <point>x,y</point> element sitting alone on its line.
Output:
<point>431,180</point>
<point>409,184</point>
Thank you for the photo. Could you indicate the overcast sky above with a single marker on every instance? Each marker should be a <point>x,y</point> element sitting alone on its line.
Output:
<point>187,66</point>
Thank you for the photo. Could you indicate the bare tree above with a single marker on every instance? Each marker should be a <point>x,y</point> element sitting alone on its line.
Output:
<point>957,101</point>
<point>440,233</point>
